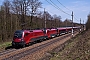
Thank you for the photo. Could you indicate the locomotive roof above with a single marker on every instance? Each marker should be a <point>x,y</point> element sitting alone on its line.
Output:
<point>28,30</point>
<point>18,31</point>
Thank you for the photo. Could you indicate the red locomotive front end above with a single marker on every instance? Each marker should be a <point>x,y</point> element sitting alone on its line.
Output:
<point>26,37</point>
<point>18,38</point>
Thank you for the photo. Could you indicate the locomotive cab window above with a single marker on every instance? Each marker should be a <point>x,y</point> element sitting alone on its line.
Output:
<point>18,34</point>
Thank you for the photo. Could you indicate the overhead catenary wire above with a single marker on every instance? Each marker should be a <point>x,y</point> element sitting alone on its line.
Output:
<point>63,5</point>
<point>75,17</point>
<point>60,8</point>
<point>54,5</point>
<point>49,11</point>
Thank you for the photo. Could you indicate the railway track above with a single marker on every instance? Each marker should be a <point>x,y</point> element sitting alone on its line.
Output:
<point>7,51</point>
<point>29,51</point>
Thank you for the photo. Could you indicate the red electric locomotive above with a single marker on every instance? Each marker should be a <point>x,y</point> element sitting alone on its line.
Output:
<point>23,37</point>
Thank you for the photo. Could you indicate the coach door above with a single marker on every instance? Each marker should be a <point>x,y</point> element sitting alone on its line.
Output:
<point>44,31</point>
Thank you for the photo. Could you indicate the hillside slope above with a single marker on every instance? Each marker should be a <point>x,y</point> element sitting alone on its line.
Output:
<point>77,49</point>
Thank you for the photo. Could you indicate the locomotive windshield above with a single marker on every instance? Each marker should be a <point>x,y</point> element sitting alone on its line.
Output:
<point>18,34</point>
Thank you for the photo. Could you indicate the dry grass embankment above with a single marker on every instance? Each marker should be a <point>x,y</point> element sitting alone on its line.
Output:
<point>77,49</point>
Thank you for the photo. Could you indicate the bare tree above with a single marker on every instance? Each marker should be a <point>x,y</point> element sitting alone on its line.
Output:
<point>6,6</point>
<point>88,23</point>
<point>25,7</point>
<point>67,23</point>
<point>19,7</point>
<point>57,20</point>
<point>34,5</point>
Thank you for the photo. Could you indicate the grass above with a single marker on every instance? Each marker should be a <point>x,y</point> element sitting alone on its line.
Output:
<point>4,45</point>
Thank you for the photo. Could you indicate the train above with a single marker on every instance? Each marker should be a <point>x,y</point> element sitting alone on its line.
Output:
<point>26,37</point>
